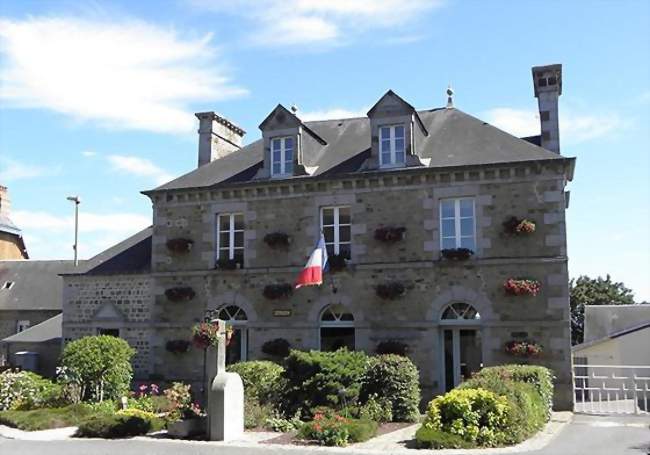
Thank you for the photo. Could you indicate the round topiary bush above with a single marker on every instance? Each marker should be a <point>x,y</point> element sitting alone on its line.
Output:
<point>261,378</point>
<point>99,365</point>
<point>396,379</point>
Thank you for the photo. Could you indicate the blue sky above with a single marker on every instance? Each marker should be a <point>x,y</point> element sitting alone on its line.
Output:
<point>96,99</point>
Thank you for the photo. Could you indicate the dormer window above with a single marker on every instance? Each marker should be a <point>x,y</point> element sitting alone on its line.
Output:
<point>391,151</point>
<point>282,152</point>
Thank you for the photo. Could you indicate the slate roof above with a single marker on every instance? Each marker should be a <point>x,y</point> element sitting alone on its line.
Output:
<point>36,284</point>
<point>611,336</point>
<point>455,139</point>
<point>132,255</point>
<point>50,329</point>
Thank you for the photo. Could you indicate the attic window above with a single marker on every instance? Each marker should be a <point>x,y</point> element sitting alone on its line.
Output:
<point>391,146</point>
<point>8,285</point>
<point>282,149</point>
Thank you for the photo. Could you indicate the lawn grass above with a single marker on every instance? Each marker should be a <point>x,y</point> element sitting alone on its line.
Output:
<point>47,418</point>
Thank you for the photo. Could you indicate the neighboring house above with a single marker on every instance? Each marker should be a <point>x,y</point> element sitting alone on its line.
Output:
<point>448,179</point>
<point>44,339</point>
<point>615,335</point>
<point>12,245</point>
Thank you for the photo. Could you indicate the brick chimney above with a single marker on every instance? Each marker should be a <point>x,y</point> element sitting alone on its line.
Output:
<point>4,202</point>
<point>547,81</point>
<point>218,137</point>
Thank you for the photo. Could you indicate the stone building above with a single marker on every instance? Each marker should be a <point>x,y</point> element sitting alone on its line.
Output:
<point>426,180</point>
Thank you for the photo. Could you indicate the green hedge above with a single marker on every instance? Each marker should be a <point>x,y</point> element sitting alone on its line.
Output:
<point>261,378</point>
<point>318,378</point>
<point>113,427</point>
<point>426,438</point>
<point>396,379</point>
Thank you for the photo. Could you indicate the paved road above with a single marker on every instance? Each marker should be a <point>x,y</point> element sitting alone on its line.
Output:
<point>586,435</point>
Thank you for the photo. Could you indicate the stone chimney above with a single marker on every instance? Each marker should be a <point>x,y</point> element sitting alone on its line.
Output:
<point>218,137</point>
<point>4,202</point>
<point>548,87</point>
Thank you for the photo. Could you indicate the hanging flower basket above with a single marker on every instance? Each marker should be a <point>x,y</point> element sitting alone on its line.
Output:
<point>278,291</point>
<point>277,240</point>
<point>227,264</point>
<point>206,334</point>
<point>180,245</point>
<point>390,234</point>
<point>178,346</point>
<point>523,348</point>
<point>518,226</point>
<point>337,263</point>
<point>390,291</point>
<point>456,254</point>
<point>522,286</point>
<point>180,294</point>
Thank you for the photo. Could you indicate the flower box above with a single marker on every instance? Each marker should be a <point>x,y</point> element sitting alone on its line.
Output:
<point>227,264</point>
<point>177,346</point>
<point>518,226</point>
<point>277,291</point>
<point>277,240</point>
<point>180,245</point>
<point>522,286</point>
<point>523,348</point>
<point>456,254</point>
<point>206,334</point>
<point>337,263</point>
<point>187,427</point>
<point>390,291</point>
<point>389,234</point>
<point>180,294</point>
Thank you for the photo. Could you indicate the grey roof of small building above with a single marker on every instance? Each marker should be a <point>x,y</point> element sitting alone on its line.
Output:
<point>455,139</point>
<point>36,284</point>
<point>50,329</point>
<point>611,336</point>
<point>132,255</point>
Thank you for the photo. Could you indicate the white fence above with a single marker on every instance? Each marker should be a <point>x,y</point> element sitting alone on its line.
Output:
<point>612,389</point>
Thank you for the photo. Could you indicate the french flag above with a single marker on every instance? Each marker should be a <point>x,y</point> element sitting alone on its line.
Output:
<point>312,274</point>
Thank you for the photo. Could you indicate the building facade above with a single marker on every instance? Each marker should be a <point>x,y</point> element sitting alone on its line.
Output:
<point>395,195</point>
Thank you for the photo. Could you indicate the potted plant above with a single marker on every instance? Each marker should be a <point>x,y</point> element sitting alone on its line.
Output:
<point>180,293</point>
<point>516,226</point>
<point>185,417</point>
<point>177,346</point>
<point>456,254</point>
<point>389,234</point>
<point>390,291</point>
<point>523,348</point>
<point>522,286</point>
<point>206,334</point>
<point>180,245</point>
<point>277,291</point>
<point>277,240</point>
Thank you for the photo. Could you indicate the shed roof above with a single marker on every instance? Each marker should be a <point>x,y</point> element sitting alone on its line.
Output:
<point>50,329</point>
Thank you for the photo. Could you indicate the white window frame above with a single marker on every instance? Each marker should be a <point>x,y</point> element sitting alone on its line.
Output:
<point>8,285</point>
<point>283,159</point>
<point>237,324</point>
<point>22,325</point>
<point>457,219</point>
<point>393,162</point>
<point>231,237</point>
<point>337,323</point>
<point>337,227</point>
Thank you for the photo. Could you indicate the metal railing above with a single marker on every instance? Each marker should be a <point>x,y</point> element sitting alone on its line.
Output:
<point>612,389</point>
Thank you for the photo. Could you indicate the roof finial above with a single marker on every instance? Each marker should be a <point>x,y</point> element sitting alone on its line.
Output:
<point>450,97</point>
<point>294,108</point>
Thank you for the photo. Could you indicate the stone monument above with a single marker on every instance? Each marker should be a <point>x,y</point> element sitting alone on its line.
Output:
<point>225,398</point>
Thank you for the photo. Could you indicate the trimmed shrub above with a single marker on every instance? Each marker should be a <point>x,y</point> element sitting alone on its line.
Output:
<point>278,347</point>
<point>25,390</point>
<point>261,378</point>
<point>113,427</point>
<point>335,430</point>
<point>426,438</point>
<point>100,364</point>
<point>396,379</point>
<point>478,416</point>
<point>318,378</point>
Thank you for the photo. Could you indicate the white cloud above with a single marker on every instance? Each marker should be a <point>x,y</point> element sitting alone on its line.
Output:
<point>330,114</point>
<point>139,167</point>
<point>88,222</point>
<point>284,22</point>
<point>574,127</point>
<point>11,170</point>
<point>127,74</point>
<point>88,153</point>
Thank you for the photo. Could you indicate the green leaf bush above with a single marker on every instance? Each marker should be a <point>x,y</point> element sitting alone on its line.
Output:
<point>114,426</point>
<point>427,438</point>
<point>396,379</point>
<point>47,418</point>
<point>99,365</point>
<point>332,429</point>
<point>23,390</point>
<point>261,378</point>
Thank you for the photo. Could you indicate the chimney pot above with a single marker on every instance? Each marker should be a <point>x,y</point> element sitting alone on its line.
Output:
<point>218,137</point>
<point>547,81</point>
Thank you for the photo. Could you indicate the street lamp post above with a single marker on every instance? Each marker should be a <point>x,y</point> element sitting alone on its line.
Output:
<point>76,201</point>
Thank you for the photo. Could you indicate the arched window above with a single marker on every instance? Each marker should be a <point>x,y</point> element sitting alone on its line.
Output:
<point>460,313</point>
<point>336,328</point>
<point>237,350</point>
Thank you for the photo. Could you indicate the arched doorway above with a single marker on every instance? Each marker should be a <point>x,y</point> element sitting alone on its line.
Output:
<point>237,350</point>
<point>461,343</point>
<point>336,328</point>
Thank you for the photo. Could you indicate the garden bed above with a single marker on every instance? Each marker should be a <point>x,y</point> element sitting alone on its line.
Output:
<point>291,437</point>
<point>47,418</point>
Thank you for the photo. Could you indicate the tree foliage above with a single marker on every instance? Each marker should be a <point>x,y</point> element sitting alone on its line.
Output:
<point>594,291</point>
<point>100,364</point>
